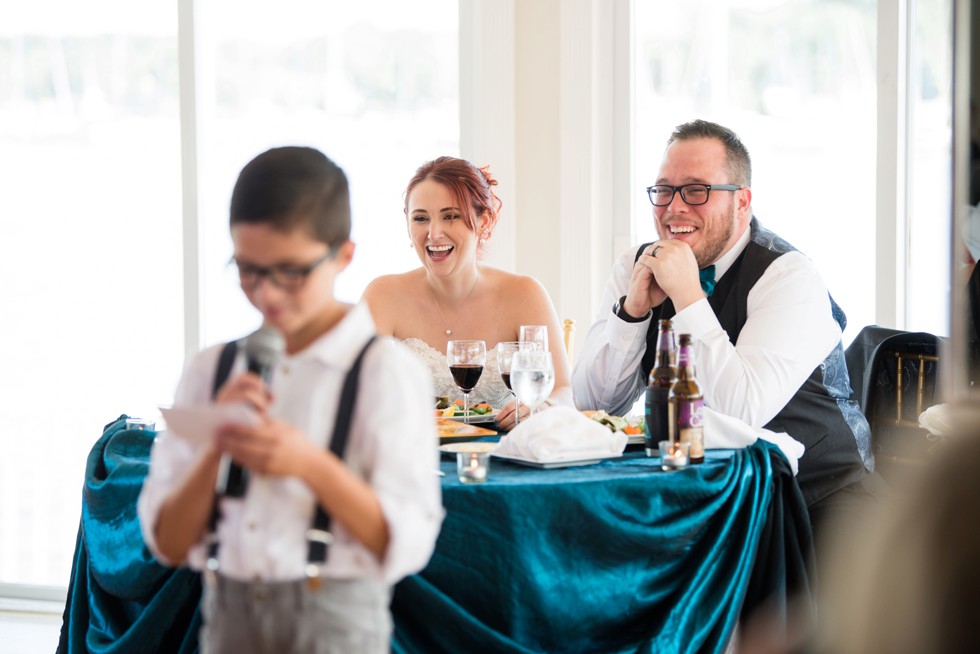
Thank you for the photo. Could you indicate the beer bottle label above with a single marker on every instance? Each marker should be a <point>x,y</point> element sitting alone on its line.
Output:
<point>689,425</point>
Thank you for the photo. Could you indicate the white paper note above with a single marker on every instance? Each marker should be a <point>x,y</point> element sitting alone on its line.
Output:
<point>199,424</point>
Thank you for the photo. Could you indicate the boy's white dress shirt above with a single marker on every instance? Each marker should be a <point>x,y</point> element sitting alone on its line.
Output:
<point>393,446</point>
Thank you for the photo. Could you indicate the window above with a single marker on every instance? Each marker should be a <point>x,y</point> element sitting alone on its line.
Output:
<point>371,84</point>
<point>91,228</point>
<point>89,253</point>
<point>927,279</point>
<point>796,81</point>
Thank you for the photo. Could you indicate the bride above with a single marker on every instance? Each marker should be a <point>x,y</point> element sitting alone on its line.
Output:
<point>451,211</point>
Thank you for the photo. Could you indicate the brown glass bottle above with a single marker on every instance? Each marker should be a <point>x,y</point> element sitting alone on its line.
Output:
<point>686,404</point>
<point>662,378</point>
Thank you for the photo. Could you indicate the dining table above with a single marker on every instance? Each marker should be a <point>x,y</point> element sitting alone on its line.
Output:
<point>616,556</point>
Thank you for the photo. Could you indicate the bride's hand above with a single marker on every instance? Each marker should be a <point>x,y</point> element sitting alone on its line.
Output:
<point>505,419</point>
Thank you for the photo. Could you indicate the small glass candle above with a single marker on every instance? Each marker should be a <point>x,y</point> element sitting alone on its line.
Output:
<point>472,467</point>
<point>674,455</point>
<point>139,423</point>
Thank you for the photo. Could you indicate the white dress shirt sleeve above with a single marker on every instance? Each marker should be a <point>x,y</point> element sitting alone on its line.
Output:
<point>401,444</point>
<point>789,331</point>
<point>171,456</point>
<point>607,372</point>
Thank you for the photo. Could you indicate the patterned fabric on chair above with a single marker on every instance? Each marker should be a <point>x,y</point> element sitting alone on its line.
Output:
<point>893,374</point>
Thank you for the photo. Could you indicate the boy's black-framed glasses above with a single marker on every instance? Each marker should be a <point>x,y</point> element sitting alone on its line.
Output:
<point>694,194</point>
<point>286,276</point>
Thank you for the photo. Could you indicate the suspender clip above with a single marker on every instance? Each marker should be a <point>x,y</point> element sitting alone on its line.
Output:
<point>211,571</point>
<point>314,578</point>
<point>319,536</point>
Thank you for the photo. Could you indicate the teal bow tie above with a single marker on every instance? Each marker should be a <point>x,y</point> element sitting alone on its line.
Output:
<point>707,276</point>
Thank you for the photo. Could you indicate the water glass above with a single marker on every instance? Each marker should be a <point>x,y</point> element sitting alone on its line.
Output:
<point>532,373</point>
<point>535,334</point>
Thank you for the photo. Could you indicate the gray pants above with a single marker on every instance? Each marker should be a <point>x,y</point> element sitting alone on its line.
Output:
<point>341,617</point>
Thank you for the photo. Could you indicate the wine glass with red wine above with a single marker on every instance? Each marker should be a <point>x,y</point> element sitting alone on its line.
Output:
<point>466,360</point>
<point>505,355</point>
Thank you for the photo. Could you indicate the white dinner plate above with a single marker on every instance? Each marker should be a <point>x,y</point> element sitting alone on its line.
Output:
<point>551,464</point>
<point>476,418</point>
<point>453,448</point>
<point>631,439</point>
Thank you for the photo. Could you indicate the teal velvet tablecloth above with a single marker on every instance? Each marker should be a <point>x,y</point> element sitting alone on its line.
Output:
<point>120,600</point>
<point>614,557</point>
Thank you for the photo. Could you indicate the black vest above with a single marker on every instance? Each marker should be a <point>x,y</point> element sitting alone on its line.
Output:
<point>821,415</point>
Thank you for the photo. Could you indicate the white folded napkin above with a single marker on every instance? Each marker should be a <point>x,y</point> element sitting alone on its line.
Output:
<point>561,434</point>
<point>938,420</point>
<point>723,432</point>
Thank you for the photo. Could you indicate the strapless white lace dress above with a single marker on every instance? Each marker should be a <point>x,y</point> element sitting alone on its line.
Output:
<point>490,389</point>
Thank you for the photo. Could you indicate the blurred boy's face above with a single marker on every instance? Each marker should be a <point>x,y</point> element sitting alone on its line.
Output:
<point>288,277</point>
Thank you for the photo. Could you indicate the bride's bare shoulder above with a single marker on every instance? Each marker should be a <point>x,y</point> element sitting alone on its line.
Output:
<point>387,287</point>
<point>388,296</point>
<point>515,285</point>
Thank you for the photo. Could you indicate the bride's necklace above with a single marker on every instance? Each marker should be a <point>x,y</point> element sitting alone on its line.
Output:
<point>449,331</point>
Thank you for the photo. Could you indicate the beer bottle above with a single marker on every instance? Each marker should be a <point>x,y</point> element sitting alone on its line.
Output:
<point>662,377</point>
<point>686,404</point>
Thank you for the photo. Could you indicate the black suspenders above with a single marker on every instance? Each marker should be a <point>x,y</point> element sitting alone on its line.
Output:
<point>318,534</point>
<point>225,361</point>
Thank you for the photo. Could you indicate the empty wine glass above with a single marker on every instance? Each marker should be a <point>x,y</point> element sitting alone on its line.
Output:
<point>535,334</point>
<point>505,356</point>
<point>466,360</point>
<point>532,373</point>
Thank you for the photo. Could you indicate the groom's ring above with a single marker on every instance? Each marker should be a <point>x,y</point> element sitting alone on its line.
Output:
<point>654,253</point>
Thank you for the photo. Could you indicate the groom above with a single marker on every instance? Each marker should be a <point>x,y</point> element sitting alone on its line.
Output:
<point>767,333</point>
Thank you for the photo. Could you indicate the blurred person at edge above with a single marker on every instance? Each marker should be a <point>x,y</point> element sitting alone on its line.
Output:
<point>910,582</point>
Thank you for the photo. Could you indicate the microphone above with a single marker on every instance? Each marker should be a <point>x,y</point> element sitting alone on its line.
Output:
<point>263,348</point>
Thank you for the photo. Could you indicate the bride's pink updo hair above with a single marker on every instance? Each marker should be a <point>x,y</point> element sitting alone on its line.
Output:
<point>470,187</point>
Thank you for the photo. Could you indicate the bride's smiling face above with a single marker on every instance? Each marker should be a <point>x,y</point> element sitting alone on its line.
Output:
<point>439,229</point>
